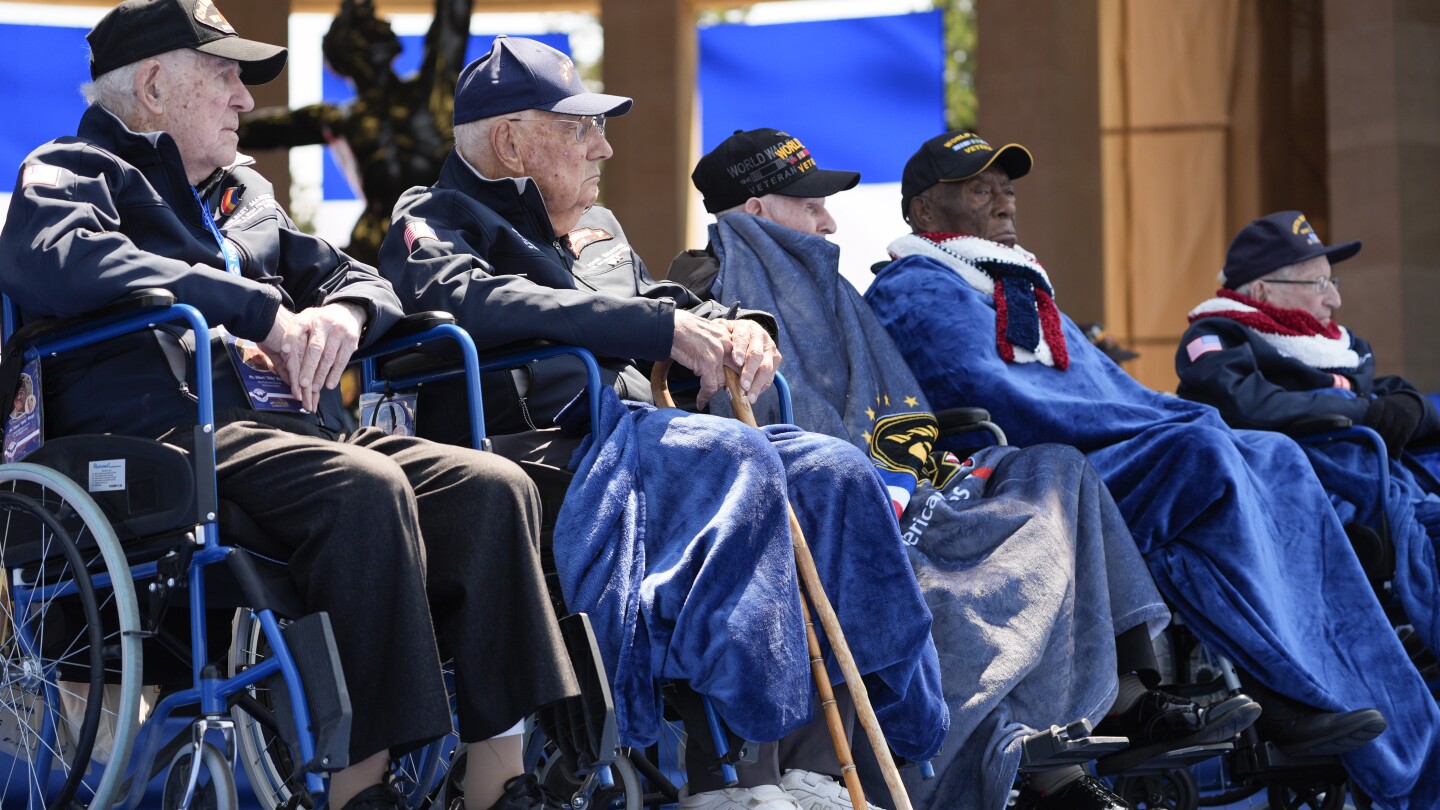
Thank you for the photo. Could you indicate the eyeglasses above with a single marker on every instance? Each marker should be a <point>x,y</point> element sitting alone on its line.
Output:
<point>583,125</point>
<point>1316,285</point>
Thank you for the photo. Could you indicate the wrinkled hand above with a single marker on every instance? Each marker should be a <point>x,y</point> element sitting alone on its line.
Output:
<point>703,347</point>
<point>754,354</point>
<point>311,349</point>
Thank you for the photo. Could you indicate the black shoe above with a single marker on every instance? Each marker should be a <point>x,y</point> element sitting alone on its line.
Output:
<point>524,792</point>
<point>1160,722</point>
<point>384,796</point>
<point>1321,734</point>
<point>1085,793</point>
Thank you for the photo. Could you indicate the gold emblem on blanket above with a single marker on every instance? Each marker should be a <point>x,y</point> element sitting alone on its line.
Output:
<point>905,443</point>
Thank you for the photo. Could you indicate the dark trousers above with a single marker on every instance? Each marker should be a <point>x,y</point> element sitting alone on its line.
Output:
<point>385,533</point>
<point>807,748</point>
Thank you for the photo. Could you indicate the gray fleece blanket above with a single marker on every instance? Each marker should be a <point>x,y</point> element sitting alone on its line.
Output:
<point>1023,558</point>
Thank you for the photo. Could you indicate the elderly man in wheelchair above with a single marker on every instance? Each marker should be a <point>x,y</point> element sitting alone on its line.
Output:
<point>1234,525</point>
<point>400,541</point>
<point>1268,354</point>
<point>673,535</point>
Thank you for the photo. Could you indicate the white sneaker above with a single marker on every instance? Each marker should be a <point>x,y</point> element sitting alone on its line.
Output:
<point>760,797</point>
<point>816,791</point>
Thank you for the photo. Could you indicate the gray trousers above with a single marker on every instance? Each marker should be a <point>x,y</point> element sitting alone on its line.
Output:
<point>416,550</point>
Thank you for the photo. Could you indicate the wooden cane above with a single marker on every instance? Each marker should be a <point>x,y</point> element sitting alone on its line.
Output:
<point>810,582</point>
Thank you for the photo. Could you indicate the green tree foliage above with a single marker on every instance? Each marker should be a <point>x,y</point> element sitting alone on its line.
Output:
<point>960,99</point>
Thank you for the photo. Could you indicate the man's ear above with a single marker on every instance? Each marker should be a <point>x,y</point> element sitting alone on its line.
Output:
<point>147,87</point>
<point>754,207</point>
<point>920,214</point>
<point>505,145</point>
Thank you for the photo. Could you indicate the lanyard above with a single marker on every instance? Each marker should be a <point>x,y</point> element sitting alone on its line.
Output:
<point>232,256</point>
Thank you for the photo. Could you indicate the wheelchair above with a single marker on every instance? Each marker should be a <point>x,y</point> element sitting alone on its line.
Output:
<point>130,567</point>
<point>1295,780</point>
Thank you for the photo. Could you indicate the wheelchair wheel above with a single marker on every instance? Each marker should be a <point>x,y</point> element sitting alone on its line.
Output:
<point>69,662</point>
<point>272,763</point>
<point>625,794</point>
<point>1170,790</point>
<point>215,789</point>
<point>1316,793</point>
<point>269,761</point>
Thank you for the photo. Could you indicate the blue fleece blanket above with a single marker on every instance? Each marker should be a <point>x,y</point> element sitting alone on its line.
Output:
<point>1350,474</point>
<point>682,558</point>
<point>1234,524</point>
<point>1022,556</point>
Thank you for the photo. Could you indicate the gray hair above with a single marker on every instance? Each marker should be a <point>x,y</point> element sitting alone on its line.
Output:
<point>1248,288</point>
<point>472,138</point>
<point>114,90</point>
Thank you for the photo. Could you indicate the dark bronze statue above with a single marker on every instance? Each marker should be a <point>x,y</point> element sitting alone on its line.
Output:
<point>396,132</point>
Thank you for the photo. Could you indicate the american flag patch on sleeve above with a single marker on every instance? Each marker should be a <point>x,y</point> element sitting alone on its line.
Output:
<point>1201,345</point>
<point>1341,381</point>
<point>37,174</point>
<point>416,231</point>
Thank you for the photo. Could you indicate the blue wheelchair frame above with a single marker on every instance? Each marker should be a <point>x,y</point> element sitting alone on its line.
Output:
<point>210,692</point>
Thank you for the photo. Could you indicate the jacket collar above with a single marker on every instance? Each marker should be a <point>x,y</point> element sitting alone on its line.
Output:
<point>153,153</point>
<point>516,199</point>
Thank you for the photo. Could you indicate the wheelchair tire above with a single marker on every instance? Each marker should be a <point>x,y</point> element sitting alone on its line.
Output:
<point>216,793</point>
<point>625,794</point>
<point>49,529</point>
<point>1309,794</point>
<point>1169,790</point>
<point>271,762</point>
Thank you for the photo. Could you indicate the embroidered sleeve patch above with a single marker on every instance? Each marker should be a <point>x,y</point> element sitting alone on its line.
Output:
<point>37,174</point>
<point>415,231</point>
<point>1202,345</point>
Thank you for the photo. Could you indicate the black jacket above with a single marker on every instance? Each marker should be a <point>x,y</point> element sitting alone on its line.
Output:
<point>1255,386</point>
<point>110,211</point>
<point>485,251</point>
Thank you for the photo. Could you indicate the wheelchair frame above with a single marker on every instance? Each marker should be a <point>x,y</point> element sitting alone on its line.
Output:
<point>212,692</point>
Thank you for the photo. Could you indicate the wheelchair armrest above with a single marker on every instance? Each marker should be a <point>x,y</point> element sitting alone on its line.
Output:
<point>132,302</point>
<point>959,420</point>
<point>1316,425</point>
<point>416,324</point>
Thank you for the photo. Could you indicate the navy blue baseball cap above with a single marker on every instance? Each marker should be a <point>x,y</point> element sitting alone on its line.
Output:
<point>522,74</point>
<point>1275,241</point>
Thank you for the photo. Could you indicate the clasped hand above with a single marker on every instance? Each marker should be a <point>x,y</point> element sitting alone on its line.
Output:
<point>708,347</point>
<point>310,349</point>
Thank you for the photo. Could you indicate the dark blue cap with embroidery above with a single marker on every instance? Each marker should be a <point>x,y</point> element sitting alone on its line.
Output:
<point>1275,241</point>
<point>523,74</point>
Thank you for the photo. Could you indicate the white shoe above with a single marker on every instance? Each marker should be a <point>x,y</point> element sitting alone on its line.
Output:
<point>760,797</point>
<point>816,791</point>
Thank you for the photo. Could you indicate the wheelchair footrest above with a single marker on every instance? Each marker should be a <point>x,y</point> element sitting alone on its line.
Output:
<point>1265,762</point>
<point>1070,745</point>
<point>1175,760</point>
<point>312,644</point>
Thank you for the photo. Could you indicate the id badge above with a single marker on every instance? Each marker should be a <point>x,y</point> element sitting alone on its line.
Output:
<point>393,413</point>
<point>23,427</point>
<point>262,384</point>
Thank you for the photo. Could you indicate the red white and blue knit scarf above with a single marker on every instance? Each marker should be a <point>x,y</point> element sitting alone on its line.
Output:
<point>1292,332</point>
<point>1027,322</point>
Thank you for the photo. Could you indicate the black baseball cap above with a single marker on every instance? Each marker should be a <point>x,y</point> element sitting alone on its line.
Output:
<point>1275,241</point>
<point>525,74</point>
<point>139,29</point>
<point>757,162</point>
<point>957,155</point>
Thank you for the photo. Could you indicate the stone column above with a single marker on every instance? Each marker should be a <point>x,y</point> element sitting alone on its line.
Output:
<point>650,51</point>
<point>1383,99</point>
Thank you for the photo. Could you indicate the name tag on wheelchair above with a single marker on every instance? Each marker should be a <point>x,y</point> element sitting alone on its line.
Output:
<point>23,434</point>
<point>262,384</point>
<point>393,413</point>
